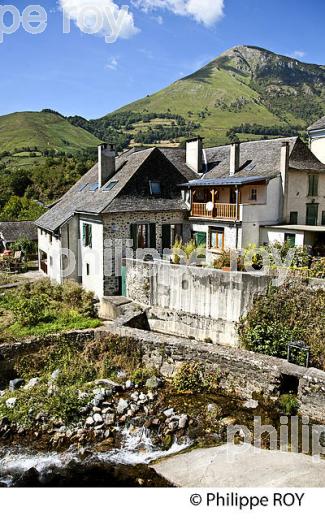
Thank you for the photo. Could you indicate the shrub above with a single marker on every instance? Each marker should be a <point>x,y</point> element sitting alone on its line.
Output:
<point>194,377</point>
<point>30,311</point>
<point>317,269</point>
<point>287,313</point>
<point>289,404</point>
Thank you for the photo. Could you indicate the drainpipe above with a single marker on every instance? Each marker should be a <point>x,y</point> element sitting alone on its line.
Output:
<point>237,215</point>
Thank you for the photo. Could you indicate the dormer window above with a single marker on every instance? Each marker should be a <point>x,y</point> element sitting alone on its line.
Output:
<point>155,188</point>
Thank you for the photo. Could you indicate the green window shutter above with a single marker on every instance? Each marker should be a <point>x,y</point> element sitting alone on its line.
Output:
<point>200,239</point>
<point>323,218</point>
<point>152,236</point>
<point>90,236</point>
<point>84,234</point>
<point>313,186</point>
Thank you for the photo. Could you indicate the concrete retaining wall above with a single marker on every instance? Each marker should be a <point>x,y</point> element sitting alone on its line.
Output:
<point>204,303</point>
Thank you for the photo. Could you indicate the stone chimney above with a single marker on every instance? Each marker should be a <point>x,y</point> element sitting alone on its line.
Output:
<point>106,163</point>
<point>234,158</point>
<point>284,159</point>
<point>194,154</point>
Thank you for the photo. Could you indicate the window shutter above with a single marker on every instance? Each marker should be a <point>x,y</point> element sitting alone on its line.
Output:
<point>134,235</point>
<point>166,236</point>
<point>84,234</point>
<point>152,233</point>
<point>90,237</point>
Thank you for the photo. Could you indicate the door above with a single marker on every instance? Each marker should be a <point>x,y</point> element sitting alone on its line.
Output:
<point>312,214</point>
<point>123,284</point>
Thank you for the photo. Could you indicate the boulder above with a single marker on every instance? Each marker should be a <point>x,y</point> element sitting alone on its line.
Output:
<point>169,412</point>
<point>122,406</point>
<point>182,423</point>
<point>110,419</point>
<point>32,383</point>
<point>98,419</point>
<point>251,404</point>
<point>55,375</point>
<point>129,384</point>
<point>11,403</point>
<point>89,421</point>
<point>14,384</point>
<point>153,383</point>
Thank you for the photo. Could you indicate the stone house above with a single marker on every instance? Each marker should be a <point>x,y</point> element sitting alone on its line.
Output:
<point>133,200</point>
<point>224,197</point>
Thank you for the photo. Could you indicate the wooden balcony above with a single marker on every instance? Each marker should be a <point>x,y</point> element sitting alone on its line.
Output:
<point>219,212</point>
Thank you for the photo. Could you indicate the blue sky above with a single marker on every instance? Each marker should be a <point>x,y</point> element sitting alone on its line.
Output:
<point>77,73</point>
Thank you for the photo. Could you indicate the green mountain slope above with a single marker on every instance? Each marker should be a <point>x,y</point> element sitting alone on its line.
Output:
<point>43,131</point>
<point>246,91</point>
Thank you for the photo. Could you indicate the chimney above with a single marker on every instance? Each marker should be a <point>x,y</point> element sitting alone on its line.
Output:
<point>284,159</point>
<point>194,154</point>
<point>106,163</point>
<point>234,158</point>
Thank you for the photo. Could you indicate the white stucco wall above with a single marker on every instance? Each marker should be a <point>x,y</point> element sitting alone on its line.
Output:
<point>317,144</point>
<point>270,236</point>
<point>298,195</point>
<point>53,250</point>
<point>94,281</point>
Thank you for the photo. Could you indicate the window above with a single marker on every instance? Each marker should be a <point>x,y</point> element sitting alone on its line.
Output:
<point>294,218</point>
<point>216,238</point>
<point>87,235</point>
<point>312,214</point>
<point>253,194</point>
<point>200,239</point>
<point>290,238</point>
<point>177,232</point>
<point>144,236</point>
<point>51,261</point>
<point>313,185</point>
<point>88,269</point>
<point>323,218</point>
<point>155,188</point>
<point>110,185</point>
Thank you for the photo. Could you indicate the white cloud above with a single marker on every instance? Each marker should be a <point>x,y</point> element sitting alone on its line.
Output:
<point>299,54</point>
<point>207,12</point>
<point>100,17</point>
<point>112,64</point>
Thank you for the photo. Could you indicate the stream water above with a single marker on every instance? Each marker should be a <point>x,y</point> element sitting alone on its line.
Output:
<point>127,466</point>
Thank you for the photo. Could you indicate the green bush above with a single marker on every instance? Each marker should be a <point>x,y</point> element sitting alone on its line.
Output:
<point>317,269</point>
<point>30,311</point>
<point>287,313</point>
<point>289,404</point>
<point>194,377</point>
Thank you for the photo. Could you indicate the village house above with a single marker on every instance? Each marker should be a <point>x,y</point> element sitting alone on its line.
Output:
<point>257,192</point>
<point>11,232</point>
<point>133,200</point>
<point>225,197</point>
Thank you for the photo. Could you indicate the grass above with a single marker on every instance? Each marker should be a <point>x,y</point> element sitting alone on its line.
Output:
<point>40,309</point>
<point>43,130</point>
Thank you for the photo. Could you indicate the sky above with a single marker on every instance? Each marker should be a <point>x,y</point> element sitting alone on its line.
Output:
<point>137,51</point>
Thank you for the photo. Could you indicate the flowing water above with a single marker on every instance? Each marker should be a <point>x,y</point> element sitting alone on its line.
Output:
<point>125,466</point>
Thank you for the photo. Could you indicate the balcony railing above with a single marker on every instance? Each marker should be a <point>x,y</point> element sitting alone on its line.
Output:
<point>219,212</point>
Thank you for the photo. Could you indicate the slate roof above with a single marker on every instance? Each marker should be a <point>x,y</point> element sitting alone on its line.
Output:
<point>83,197</point>
<point>260,158</point>
<point>319,125</point>
<point>12,231</point>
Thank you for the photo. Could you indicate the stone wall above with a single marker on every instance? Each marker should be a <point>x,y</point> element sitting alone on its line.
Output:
<point>243,374</point>
<point>11,352</point>
<point>192,301</point>
<point>117,234</point>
